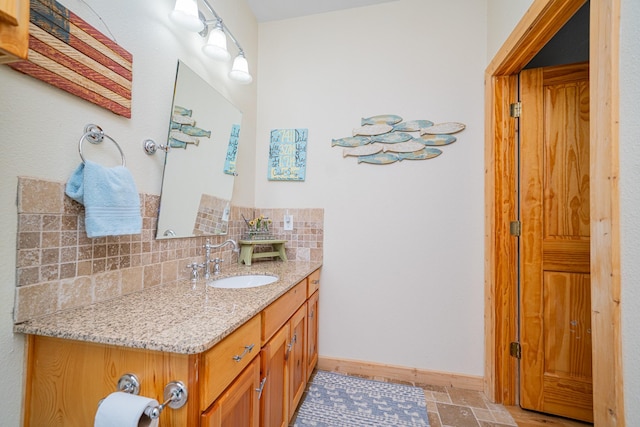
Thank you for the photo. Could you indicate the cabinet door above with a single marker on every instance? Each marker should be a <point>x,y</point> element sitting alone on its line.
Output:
<point>274,411</point>
<point>312,333</point>
<point>297,363</point>
<point>238,405</point>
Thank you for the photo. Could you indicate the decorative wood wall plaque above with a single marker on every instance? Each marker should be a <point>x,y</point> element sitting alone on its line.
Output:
<point>70,54</point>
<point>385,139</point>
<point>288,155</point>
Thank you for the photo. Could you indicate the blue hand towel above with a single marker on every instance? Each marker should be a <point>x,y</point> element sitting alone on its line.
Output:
<point>111,201</point>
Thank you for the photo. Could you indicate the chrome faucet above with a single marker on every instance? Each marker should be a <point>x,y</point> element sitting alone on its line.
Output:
<point>216,261</point>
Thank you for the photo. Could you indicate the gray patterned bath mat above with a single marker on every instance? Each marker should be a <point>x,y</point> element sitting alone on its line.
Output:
<point>335,400</point>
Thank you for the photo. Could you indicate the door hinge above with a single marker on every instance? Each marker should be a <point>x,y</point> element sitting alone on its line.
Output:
<point>515,350</point>
<point>515,109</point>
<point>515,228</point>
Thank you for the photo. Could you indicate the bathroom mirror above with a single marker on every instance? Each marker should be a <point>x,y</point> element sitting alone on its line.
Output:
<point>199,167</point>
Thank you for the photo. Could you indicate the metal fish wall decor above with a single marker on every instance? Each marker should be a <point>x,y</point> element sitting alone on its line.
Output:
<point>386,139</point>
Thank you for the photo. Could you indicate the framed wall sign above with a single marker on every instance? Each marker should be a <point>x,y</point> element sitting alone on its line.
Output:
<point>287,155</point>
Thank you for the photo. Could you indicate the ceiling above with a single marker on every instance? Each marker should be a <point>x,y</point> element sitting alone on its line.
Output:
<point>274,10</point>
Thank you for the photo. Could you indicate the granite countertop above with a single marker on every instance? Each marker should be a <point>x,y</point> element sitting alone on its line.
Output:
<point>180,317</point>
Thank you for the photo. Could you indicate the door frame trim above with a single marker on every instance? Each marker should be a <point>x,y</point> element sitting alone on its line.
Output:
<point>541,21</point>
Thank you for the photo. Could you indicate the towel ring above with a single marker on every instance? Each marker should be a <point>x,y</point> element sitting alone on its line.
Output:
<point>94,134</point>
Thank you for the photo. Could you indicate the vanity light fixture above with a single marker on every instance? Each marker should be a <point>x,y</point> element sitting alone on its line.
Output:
<point>187,15</point>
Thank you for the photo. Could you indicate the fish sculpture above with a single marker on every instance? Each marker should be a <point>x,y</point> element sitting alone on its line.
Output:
<point>387,119</point>
<point>424,154</point>
<point>379,158</point>
<point>183,120</point>
<point>181,136</point>
<point>363,150</point>
<point>350,141</point>
<point>442,128</point>
<point>370,130</point>
<point>412,126</point>
<point>436,140</point>
<point>392,137</point>
<point>182,111</point>
<point>195,131</point>
<point>403,147</point>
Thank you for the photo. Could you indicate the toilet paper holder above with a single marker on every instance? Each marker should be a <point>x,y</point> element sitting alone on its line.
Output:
<point>175,394</point>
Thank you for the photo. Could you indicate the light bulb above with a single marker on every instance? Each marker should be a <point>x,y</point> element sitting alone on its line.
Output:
<point>240,70</point>
<point>185,14</point>
<point>216,46</point>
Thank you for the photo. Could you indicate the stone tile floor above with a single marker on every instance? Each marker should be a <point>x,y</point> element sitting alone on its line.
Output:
<point>447,406</point>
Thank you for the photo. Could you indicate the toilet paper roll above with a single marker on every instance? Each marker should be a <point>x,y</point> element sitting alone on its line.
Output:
<point>121,409</point>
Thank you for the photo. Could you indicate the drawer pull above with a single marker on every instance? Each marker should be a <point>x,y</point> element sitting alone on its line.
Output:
<point>247,349</point>
<point>315,282</point>
<point>259,389</point>
<point>311,315</point>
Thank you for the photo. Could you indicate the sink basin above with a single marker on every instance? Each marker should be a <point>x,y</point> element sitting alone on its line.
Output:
<point>245,281</point>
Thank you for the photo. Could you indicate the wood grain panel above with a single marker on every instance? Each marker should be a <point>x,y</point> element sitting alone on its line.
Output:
<point>531,194</point>
<point>9,12</point>
<point>274,402</point>
<point>555,286</point>
<point>219,366</point>
<point>560,255</point>
<point>500,245</point>
<point>71,378</point>
<point>14,36</point>
<point>238,406</point>
<point>297,362</point>
<point>604,55</point>
<point>314,282</point>
<point>566,136</point>
<point>567,301</point>
<point>313,325</point>
<point>274,316</point>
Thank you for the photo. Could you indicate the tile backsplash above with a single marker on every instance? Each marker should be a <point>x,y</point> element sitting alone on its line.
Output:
<point>58,267</point>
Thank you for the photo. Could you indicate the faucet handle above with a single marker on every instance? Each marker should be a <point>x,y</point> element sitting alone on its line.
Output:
<point>194,266</point>
<point>216,265</point>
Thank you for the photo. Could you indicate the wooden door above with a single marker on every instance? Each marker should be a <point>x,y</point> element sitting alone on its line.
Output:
<point>555,304</point>
<point>238,405</point>
<point>274,411</point>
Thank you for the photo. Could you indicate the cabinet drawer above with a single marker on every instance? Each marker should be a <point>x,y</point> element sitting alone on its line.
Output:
<point>274,316</point>
<point>314,282</point>
<point>227,359</point>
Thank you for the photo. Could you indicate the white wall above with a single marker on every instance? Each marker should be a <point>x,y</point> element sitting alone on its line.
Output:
<point>502,16</point>
<point>40,127</point>
<point>630,203</point>
<point>403,261</point>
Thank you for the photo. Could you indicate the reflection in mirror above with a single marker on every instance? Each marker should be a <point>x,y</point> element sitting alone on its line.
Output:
<point>199,168</point>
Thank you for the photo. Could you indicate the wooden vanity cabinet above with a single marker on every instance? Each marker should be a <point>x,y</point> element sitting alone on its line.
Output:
<point>238,406</point>
<point>66,379</point>
<point>14,30</point>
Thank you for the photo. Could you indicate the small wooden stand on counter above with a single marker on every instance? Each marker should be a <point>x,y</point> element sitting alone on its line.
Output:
<point>247,246</point>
